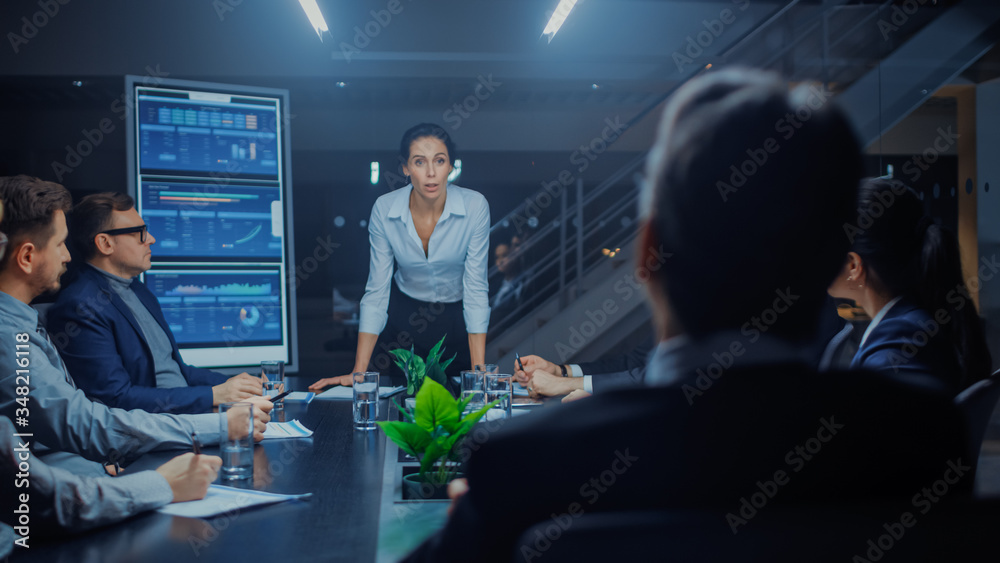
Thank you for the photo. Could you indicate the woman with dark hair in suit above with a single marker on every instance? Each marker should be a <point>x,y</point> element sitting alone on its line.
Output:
<point>435,236</point>
<point>905,271</point>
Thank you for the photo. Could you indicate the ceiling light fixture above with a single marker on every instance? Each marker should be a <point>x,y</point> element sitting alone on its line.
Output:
<point>558,17</point>
<point>315,17</point>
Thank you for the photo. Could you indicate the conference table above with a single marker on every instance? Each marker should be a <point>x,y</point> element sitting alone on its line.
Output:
<point>351,515</point>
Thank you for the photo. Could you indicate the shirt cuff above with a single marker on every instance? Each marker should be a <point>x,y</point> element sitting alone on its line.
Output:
<point>147,490</point>
<point>207,427</point>
<point>588,384</point>
<point>477,321</point>
<point>575,370</point>
<point>372,320</point>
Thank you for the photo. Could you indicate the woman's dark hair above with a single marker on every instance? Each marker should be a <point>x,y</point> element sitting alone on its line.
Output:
<point>911,255</point>
<point>426,130</point>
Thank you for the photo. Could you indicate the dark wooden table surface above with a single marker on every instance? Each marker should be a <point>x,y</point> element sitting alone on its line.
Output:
<point>341,467</point>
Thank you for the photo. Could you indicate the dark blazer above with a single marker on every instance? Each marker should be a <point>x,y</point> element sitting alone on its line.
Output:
<point>908,342</point>
<point>107,355</point>
<point>619,370</point>
<point>781,434</point>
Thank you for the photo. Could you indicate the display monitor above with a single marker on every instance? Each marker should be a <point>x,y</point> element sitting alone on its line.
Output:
<point>210,169</point>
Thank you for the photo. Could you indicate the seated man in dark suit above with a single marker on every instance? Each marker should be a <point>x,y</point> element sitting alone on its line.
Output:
<point>110,329</point>
<point>749,185</point>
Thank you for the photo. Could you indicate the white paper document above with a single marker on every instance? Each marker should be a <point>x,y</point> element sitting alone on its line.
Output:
<point>342,392</point>
<point>300,396</point>
<point>293,429</point>
<point>222,500</point>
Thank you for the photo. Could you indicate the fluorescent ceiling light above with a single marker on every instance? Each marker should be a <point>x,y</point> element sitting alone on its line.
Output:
<point>315,17</point>
<point>374,178</point>
<point>558,17</point>
<point>456,171</point>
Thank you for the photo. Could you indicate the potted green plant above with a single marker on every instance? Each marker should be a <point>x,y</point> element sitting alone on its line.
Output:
<point>416,369</point>
<point>432,432</point>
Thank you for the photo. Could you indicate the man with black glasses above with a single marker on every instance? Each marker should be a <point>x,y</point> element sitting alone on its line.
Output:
<point>109,327</point>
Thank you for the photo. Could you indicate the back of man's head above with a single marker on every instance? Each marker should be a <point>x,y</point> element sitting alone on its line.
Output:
<point>93,215</point>
<point>29,205</point>
<point>749,186</point>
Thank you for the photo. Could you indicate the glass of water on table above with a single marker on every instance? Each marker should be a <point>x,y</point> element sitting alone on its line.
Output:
<point>274,384</point>
<point>236,429</point>
<point>365,399</point>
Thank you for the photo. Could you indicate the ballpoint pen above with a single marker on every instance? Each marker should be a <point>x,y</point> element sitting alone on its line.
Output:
<point>195,444</point>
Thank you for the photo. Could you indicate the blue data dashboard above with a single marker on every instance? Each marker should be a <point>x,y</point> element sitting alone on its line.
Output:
<point>209,167</point>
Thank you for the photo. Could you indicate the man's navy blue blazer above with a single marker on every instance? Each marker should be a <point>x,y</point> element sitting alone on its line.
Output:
<point>910,343</point>
<point>108,356</point>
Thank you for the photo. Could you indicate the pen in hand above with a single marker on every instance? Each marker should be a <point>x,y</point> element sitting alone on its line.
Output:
<point>517,358</point>
<point>195,444</point>
<point>277,398</point>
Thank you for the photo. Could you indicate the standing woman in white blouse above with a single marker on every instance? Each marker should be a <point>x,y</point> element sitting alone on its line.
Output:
<point>437,234</point>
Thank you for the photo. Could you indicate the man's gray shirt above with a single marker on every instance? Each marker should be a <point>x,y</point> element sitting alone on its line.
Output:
<point>61,417</point>
<point>60,499</point>
<point>168,373</point>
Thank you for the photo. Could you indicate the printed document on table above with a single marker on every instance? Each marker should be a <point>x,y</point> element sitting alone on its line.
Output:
<point>293,429</point>
<point>222,500</point>
<point>342,392</point>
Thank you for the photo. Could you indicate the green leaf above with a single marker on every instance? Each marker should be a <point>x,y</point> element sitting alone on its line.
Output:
<point>434,451</point>
<point>407,414</point>
<point>470,420</point>
<point>462,405</point>
<point>436,407</point>
<point>410,438</point>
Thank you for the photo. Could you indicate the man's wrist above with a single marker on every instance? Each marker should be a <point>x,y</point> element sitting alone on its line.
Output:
<point>564,370</point>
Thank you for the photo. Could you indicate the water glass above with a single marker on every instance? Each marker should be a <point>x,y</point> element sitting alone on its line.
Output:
<point>365,399</point>
<point>472,386</point>
<point>236,429</point>
<point>488,368</point>
<point>497,386</point>
<point>274,371</point>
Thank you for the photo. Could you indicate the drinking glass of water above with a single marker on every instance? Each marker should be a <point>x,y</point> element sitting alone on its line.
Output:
<point>472,386</point>
<point>365,399</point>
<point>236,428</point>
<point>274,373</point>
<point>497,386</point>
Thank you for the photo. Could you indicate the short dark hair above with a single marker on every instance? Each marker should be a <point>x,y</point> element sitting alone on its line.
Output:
<point>30,204</point>
<point>426,130</point>
<point>749,185</point>
<point>92,216</point>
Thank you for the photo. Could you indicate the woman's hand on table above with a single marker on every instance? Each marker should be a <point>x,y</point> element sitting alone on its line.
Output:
<point>345,380</point>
